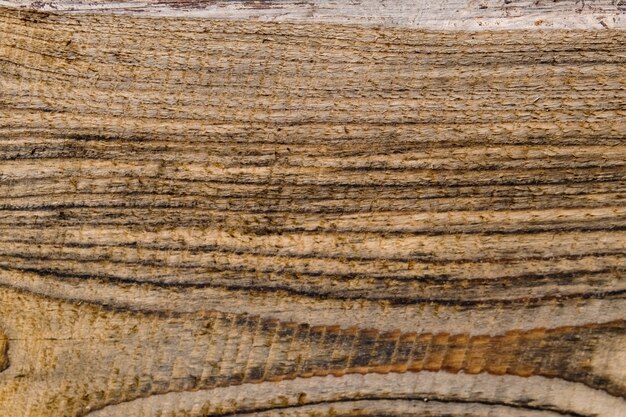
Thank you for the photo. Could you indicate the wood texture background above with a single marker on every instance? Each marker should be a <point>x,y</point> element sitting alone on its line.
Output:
<point>282,214</point>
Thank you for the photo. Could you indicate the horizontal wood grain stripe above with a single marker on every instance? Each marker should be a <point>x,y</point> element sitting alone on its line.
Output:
<point>430,223</point>
<point>529,293</point>
<point>475,318</point>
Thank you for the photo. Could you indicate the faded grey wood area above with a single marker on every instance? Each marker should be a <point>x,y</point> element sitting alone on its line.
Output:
<point>278,215</point>
<point>438,15</point>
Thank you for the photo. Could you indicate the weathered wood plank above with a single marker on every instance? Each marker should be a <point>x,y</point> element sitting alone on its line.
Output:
<point>424,14</point>
<point>245,217</point>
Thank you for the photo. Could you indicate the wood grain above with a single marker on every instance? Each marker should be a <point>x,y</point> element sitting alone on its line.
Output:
<point>474,15</point>
<point>237,217</point>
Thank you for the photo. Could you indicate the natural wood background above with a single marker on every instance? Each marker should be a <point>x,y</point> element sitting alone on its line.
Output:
<point>290,214</point>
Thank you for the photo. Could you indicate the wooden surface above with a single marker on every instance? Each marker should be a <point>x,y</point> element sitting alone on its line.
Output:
<point>475,15</point>
<point>207,217</point>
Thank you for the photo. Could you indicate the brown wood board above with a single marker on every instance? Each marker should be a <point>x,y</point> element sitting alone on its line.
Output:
<point>203,216</point>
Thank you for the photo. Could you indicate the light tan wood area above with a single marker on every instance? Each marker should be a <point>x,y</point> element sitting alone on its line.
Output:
<point>205,217</point>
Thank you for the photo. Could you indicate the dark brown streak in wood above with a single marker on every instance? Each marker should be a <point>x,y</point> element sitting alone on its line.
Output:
<point>368,293</point>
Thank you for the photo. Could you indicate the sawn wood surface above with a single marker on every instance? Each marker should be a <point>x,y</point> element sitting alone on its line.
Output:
<point>217,217</point>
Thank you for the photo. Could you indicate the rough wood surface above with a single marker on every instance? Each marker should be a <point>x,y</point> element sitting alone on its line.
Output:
<point>235,217</point>
<point>424,14</point>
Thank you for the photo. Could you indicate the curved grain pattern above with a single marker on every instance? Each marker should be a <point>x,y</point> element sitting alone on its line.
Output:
<point>219,217</point>
<point>401,408</point>
<point>386,407</point>
<point>455,394</point>
<point>135,355</point>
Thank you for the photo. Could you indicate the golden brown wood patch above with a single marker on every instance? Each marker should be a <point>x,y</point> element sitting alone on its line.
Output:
<point>207,217</point>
